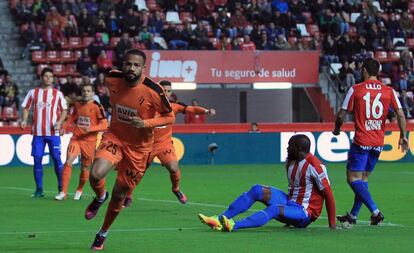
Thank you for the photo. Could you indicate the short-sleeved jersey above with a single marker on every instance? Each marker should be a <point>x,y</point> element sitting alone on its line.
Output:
<point>307,179</point>
<point>164,133</point>
<point>48,105</point>
<point>145,100</point>
<point>370,102</point>
<point>87,115</point>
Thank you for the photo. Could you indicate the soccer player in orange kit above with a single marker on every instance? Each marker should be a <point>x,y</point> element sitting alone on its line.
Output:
<point>164,148</point>
<point>89,119</point>
<point>138,105</point>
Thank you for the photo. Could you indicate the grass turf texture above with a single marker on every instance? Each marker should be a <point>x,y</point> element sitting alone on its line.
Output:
<point>157,222</point>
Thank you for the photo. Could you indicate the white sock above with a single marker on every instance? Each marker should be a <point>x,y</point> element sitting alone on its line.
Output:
<point>375,212</point>
<point>103,233</point>
<point>353,217</point>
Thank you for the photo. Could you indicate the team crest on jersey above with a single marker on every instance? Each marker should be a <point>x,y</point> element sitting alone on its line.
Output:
<point>41,105</point>
<point>84,121</point>
<point>124,113</point>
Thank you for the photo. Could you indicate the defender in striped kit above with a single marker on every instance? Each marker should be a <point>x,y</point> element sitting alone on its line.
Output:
<point>308,188</point>
<point>49,111</point>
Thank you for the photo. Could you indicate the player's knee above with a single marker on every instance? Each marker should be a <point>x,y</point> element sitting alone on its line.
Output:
<point>37,159</point>
<point>273,211</point>
<point>256,192</point>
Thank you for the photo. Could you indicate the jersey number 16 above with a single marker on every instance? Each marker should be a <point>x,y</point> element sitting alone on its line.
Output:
<point>376,106</point>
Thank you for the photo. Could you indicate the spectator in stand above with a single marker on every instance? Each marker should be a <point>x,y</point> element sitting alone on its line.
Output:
<point>2,95</point>
<point>346,47</point>
<point>85,23</point>
<point>188,35</point>
<point>12,93</point>
<point>52,36</point>
<point>201,36</point>
<point>264,44</point>
<point>247,44</point>
<point>346,75</point>
<point>144,34</point>
<point>357,71</point>
<point>224,44</point>
<point>152,45</point>
<point>113,24</point>
<point>23,11</point>
<point>71,28</point>
<point>363,22</point>
<point>254,128</point>
<point>138,44</point>
<point>253,12</point>
<point>327,22</point>
<point>237,23</point>
<point>155,23</point>
<point>75,7</point>
<point>92,7</point>
<point>58,21</point>
<point>281,43</point>
<point>329,50</point>
<point>131,23</point>
<point>121,8</point>
<point>280,5</point>
<point>168,5</point>
<point>85,65</point>
<point>298,8</point>
<point>273,31</point>
<point>102,92</point>
<point>235,44</point>
<point>288,22</point>
<point>221,25</point>
<point>96,47</point>
<point>375,38</point>
<point>172,36</point>
<point>342,24</point>
<point>103,62</point>
<point>203,9</point>
<point>192,118</point>
<point>39,11</point>
<point>406,60</point>
<point>123,45</point>
<point>406,24</point>
<point>394,27</point>
<point>101,26</point>
<point>144,16</point>
<point>70,91</point>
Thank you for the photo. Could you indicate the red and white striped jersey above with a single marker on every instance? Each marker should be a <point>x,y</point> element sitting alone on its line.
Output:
<point>48,105</point>
<point>307,179</point>
<point>370,101</point>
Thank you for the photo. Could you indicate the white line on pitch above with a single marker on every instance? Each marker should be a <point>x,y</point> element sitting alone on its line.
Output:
<point>361,222</point>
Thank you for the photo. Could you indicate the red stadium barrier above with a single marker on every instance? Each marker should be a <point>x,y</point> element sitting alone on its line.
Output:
<point>241,128</point>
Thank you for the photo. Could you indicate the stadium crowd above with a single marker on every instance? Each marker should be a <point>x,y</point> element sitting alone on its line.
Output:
<point>83,39</point>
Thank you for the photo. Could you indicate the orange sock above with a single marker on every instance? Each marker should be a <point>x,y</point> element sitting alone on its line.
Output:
<point>67,171</point>
<point>175,177</point>
<point>98,187</point>
<point>82,179</point>
<point>112,212</point>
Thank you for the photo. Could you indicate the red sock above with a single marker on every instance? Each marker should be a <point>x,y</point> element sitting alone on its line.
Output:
<point>175,180</point>
<point>84,176</point>
<point>67,171</point>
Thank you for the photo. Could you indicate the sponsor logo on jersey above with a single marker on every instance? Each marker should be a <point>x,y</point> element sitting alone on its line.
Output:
<point>373,124</point>
<point>124,113</point>
<point>84,121</point>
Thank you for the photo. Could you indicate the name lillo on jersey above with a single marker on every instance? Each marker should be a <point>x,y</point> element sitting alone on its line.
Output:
<point>124,113</point>
<point>83,121</point>
<point>373,124</point>
<point>373,86</point>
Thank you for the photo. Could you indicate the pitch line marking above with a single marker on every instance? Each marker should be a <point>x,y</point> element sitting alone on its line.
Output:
<point>385,224</point>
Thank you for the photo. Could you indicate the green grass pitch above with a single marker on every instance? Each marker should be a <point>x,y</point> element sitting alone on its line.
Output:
<point>157,222</point>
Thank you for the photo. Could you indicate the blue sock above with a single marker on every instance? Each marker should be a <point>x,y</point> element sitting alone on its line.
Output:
<point>361,191</point>
<point>244,201</point>
<point>258,219</point>
<point>38,172</point>
<point>357,203</point>
<point>58,167</point>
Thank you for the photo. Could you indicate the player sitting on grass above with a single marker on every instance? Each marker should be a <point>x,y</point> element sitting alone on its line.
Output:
<point>308,188</point>
<point>89,119</point>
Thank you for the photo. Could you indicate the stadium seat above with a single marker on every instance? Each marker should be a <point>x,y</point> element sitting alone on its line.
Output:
<point>302,29</point>
<point>40,67</point>
<point>354,16</point>
<point>53,56</point>
<point>59,70</point>
<point>141,5</point>
<point>67,56</point>
<point>38,57</point>
<point>64,43</point>
<point>75,43</point>
<point>71,70</point>
<point>113,42</point>
<point>87,40</point>
<point>172,17</point>
<point>381,56</point>
<point>335,68</point>
<point>394,56</point>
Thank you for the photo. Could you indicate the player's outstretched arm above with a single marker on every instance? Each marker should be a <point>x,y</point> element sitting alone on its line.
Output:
<point>403,142</point>
<point>330,206</point>
<point>339,121</point>
<point>200,110</point>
